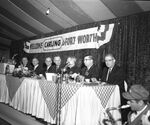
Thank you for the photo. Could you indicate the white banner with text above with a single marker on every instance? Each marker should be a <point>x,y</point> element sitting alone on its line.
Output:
<point>76,40</point>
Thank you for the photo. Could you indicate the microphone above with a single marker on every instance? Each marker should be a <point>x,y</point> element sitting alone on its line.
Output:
<point>117,108</point>
<point>65,67</point>
<point>67,64</point>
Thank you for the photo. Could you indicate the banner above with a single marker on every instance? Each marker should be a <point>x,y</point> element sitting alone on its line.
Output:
<point>80,39</point>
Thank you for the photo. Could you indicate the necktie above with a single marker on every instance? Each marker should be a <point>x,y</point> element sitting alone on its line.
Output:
<point>47,68</point>
<point>57,67</point>
<point>34,68</point>
<point>109,70</point>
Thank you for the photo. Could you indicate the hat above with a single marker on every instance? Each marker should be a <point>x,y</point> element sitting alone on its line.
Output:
<point>136,92</point>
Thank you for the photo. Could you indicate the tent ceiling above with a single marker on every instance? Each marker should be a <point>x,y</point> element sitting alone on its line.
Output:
<point>21,19</point>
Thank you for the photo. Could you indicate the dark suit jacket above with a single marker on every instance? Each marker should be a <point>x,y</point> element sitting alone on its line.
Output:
<point>28,66</point>
<point>38,70</point>
<point>91,73</point>
<point>72,70</point>
<point>51,69</point>
<point>138,121</point>
<point>116,76</point>
<point>57,70</point>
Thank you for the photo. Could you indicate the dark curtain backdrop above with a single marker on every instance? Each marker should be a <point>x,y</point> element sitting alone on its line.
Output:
<point>130,43</point>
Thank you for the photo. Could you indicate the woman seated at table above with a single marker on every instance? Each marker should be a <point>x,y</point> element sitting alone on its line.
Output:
<point>71,69</point>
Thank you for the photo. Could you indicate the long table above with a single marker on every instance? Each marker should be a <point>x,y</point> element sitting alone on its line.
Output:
<point>80,104</point>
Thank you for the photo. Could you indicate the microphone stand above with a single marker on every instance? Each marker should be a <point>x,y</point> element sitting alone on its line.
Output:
<point>59,92</point>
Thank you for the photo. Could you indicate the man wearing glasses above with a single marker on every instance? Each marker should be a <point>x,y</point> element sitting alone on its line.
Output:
<point>49,67</point>
<point>57,61</point>
<point>90,71</point>
<point>112,73</point>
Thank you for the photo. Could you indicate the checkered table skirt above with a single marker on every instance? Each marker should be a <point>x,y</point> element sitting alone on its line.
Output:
<point>50,94</point>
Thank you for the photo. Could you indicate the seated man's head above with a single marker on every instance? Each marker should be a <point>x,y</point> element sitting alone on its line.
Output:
<point>137,97</point>
<point>24,61</point>
<point>57,60</point>
<point>88,61</point>
<point>71,61</point>
<point>48,61</point>
<point>35,61</point>
<point>110,60</point>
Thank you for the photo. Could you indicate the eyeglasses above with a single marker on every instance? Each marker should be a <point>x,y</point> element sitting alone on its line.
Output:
<point>87,59</point>
<point>48,61</point>
<point>109,60</point>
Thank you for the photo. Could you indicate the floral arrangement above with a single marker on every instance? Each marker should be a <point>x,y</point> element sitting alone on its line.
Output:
<point>22,72</point>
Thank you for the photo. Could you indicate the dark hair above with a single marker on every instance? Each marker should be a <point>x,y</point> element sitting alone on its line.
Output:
<point>110,54</point>
<point>90,57</point>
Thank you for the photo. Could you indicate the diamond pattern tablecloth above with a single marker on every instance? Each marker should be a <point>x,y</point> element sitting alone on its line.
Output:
<point>104,93</point>
<point>49,91</point>
<point>67,92</point>
<point>50,94</point>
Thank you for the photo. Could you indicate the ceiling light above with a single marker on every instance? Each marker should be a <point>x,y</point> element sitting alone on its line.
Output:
<point>47,11</point>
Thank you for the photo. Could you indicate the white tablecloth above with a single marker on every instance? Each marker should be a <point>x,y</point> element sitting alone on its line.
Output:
<point>4,94</point>
<point>83,108</point>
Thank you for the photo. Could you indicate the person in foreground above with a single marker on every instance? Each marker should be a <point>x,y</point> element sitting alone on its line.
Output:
<point>137,97</point>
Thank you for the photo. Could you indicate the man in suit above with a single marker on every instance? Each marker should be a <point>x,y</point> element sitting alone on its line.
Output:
<point>137,98</point>
<point>57,61</point>
<point>90,71</point>
<point>49,67</point>
<point>113,74</point>
<point>37,69</point>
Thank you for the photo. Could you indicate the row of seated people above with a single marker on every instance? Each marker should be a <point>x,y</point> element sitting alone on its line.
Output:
<point>112,73</point>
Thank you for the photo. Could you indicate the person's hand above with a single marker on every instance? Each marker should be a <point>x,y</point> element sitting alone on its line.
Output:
<point>94,80</point>
<point>103,83</point>
<point>145,120</point>
<point>74,75</point>
<point>81,78</point>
